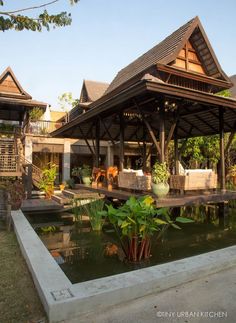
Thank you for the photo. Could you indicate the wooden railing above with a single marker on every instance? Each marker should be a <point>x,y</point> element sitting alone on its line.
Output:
<point>42,127</point>
<point>36,172</point>
<point>9,163</point>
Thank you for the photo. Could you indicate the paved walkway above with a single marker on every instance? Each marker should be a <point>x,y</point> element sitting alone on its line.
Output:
<point>214,295</point>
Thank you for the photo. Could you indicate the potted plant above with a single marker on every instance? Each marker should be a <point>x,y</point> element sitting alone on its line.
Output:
<point>47,180</point>
<point>160,176</point>
<point>232,173</point>
<point>86,173</point>
<point>136,221</point>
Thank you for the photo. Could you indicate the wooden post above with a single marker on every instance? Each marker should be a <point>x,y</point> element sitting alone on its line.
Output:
<point>97,144</point>
<point>222,149</point>
<point>144,150</point>
<point>29,181</point>
<point>176,152</point>
<point>162,132</point>
<point>122,137</point>
<point>8,217</point>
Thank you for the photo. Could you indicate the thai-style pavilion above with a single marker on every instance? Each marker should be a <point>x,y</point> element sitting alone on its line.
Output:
<point>27,144</point>
<point>15,105</point>
<point>170,92</point>
<point>15,102</point>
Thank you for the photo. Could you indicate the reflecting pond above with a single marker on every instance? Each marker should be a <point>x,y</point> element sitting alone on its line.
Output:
<point>84,255</point>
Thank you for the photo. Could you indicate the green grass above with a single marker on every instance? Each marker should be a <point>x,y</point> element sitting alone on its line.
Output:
<point>19,301</point>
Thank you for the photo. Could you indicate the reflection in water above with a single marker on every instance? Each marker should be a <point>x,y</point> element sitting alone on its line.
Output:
<point>84,254</point>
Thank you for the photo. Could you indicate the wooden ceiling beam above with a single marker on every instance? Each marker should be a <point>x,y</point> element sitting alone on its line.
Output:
<point>151,132</point>
<point>86,140</point>
<point>192,125</point>
<point>206,123</point>
<point>217,116</point>
<point>170,135</point>
<point>107,131</point>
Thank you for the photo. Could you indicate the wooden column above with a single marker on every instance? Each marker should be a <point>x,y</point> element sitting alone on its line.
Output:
<point>97,144</point>
<point>144,150</point>
<point>29,181</point>
<point>162,132</point>
<point>176,152</point>
<point>222,149</point>
<point>122,139</point>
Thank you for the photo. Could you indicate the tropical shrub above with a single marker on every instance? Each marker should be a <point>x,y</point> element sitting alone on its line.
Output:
<point>93,211</point>
<point>35,114</point>
<point>160,173</point>
<point>136,221</point>
<point>47,180</point>
<point>70,183</point>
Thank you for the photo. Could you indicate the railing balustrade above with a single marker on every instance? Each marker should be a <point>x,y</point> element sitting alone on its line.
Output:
<point>42,127</point>
<point>9,163</point>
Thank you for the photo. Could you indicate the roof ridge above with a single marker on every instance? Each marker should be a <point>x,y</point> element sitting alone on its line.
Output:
<point>102,82</point>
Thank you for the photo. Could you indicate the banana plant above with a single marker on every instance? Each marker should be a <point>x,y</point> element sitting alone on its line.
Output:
<point>136,221</point>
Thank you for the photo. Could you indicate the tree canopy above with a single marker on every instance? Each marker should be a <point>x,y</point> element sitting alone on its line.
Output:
<point>17,19</point>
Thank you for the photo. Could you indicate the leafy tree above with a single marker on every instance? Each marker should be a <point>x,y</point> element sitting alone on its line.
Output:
<point>16,20</point>
<point>202,151</point>
<point>67,102</point>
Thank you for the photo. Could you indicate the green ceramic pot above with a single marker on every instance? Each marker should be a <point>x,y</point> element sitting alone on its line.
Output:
<point>160,189</point>
<point>86,180</point>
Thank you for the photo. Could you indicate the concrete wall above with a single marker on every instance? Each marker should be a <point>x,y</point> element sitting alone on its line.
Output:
<point>63,300</point>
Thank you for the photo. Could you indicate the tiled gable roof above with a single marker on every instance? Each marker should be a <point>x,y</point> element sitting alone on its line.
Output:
<point>167,50</point>
<point>153,56</point>
<point>9,85</point>
<point>94,89</point>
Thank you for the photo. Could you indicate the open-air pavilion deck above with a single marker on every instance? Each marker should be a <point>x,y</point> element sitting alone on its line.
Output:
<point>172,200</point>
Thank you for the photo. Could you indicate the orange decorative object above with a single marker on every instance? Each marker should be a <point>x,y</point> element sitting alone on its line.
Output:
<point>97,173</point>
<point>111,249</point>
<point>112,173</point>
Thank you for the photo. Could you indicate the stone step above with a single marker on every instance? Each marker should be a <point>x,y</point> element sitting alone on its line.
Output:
<point>61,199</point>
<point>80,194</point>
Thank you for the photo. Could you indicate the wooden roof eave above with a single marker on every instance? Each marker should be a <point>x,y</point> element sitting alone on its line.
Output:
<point>104,104</point>
<point>108,102</point>
<point>194,76</point>
<point>22,102</point>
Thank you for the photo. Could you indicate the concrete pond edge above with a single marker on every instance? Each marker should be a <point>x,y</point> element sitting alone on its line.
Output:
<point>63,300</point>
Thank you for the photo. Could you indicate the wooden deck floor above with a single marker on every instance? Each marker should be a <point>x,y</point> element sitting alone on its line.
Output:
<point>172,200</point>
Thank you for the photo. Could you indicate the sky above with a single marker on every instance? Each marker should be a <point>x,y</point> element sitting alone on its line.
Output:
<point>105,36</point>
